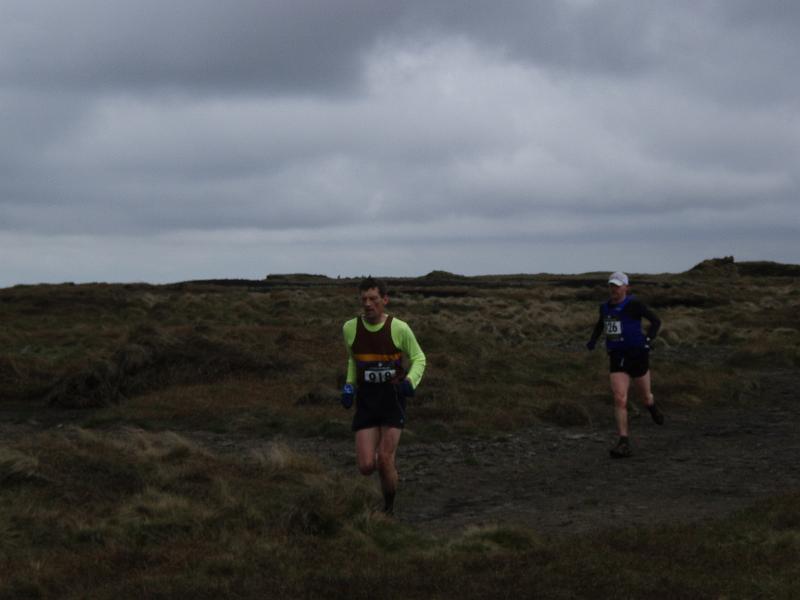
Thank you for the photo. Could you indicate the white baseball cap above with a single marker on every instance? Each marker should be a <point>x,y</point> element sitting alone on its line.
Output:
<point>618,278</point>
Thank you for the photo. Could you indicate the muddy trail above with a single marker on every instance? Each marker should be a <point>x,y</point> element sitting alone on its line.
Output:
<point>703,463</point>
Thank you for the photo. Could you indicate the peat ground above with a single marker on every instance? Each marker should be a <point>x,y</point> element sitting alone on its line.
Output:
<point>702,463</point>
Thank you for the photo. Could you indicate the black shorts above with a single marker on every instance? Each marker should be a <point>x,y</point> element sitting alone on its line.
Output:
<point>379,405</point>
<point>634,362</point>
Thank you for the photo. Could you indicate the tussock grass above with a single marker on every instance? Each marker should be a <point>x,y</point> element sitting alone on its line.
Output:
<point>155,496</point>
<point>501,351</point>
<point>567,414</point>
<point>769,353</point>
<point>17,467</point>
<point>494,540</point>
<point>152,360</point>
<point>280,458</point>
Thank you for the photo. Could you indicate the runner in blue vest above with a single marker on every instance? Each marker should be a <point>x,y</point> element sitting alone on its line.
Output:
<point>629,353</point>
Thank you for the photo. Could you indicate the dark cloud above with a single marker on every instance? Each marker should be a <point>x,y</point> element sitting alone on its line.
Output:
<point>282,47</point>
<point>318,47</point>
<point>296,127</point>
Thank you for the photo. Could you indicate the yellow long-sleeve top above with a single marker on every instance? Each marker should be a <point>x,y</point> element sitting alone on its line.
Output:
<point>403,338</point>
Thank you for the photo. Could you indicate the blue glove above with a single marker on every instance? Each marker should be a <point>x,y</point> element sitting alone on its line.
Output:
<point>590,345</point>
<point>348,395</point>
<point>406,389</point>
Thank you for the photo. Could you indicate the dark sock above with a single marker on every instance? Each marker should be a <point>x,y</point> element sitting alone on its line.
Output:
<point>388,502</point>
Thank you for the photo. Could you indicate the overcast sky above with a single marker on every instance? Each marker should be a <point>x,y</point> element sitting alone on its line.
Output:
<point>145,140</point>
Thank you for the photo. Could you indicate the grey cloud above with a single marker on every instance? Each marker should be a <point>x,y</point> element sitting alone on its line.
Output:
<point>317,47</point>
<point>609,37</point>
<point>426,123</point>
<point>189,44</point>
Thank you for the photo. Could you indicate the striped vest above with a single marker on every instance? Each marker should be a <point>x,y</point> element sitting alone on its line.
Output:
<point>378,360</point>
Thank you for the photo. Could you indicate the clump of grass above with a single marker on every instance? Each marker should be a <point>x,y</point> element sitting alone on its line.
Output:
<point>279,458</point>
<point>17,467</point>
<point>566,413</point>
<point>760,356</point>
<point>9,372</point>
<point>152,360</point>
<point>494,539</point>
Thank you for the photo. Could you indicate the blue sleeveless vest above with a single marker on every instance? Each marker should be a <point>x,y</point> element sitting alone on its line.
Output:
<point>623,332</point>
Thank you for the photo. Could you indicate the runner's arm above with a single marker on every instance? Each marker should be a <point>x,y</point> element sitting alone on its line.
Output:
<point>655,322</point>
<point>598,329</point>
<point>644,312</point>
<point>349,333</point>
<point>404,338</point>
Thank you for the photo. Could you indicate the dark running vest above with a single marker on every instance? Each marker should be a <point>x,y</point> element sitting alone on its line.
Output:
<point>622,331</point>
<point>378,360</point>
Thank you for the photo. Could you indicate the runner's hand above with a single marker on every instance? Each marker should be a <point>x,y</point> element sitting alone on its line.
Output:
<point>348,395</point>
<point>590,345</point>
<point>406,389</point>
<point>650,344</point>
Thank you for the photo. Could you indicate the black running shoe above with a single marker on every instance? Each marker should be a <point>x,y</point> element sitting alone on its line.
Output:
<point>621,450</point>
<point>658,417</point>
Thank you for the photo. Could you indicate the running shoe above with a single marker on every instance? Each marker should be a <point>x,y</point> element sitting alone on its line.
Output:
<point>658,417</point>
<point>621,450</point>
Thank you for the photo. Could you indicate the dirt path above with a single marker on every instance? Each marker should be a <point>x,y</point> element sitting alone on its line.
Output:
<point>701,464</point>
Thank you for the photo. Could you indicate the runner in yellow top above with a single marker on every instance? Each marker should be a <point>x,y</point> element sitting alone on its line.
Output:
<point>379,382</point>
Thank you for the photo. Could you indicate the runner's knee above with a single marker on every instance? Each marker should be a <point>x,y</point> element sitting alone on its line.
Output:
<point>366,466</point>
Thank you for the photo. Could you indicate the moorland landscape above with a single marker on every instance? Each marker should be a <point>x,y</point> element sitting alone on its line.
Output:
<point>187,441</point>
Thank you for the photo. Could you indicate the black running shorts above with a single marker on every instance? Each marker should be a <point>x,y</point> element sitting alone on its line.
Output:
<point>379,406</point>
<point>634,362</point>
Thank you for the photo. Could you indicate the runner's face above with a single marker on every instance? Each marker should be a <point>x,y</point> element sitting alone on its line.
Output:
<point>373,304</point>
<point>617,293</point>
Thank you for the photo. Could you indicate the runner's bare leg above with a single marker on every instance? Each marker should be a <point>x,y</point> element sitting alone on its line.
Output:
<point>387,450</point>
<point>619,389</point>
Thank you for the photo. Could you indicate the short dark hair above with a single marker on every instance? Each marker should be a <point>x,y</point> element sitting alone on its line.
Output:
<point>370,282</point>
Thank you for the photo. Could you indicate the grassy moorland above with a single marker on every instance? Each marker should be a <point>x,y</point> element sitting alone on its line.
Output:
<point>106,492</point>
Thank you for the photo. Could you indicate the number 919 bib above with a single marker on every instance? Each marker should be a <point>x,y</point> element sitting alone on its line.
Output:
<point>381,375</point>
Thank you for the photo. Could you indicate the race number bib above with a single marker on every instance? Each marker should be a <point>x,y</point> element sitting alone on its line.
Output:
<point>613,328</point>
<point>380,375</point>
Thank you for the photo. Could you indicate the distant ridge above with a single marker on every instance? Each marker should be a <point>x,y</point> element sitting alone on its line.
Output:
<point>715,267</point>
<point>767,268</point>
<point>442,275</point>
<point>296,276</point>
<point>728,267</point>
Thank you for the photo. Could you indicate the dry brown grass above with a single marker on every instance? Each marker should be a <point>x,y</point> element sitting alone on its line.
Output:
<point>272,358</point>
